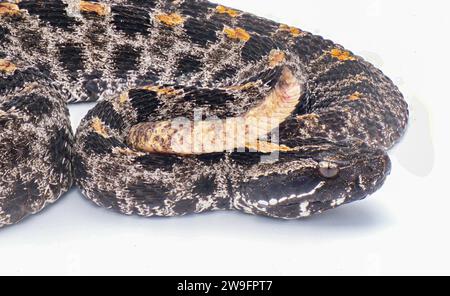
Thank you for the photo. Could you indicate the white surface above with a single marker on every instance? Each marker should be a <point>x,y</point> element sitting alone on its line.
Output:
<point>402,229</point>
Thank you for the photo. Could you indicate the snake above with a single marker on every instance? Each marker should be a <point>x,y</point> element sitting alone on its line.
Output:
<point>199,107</point>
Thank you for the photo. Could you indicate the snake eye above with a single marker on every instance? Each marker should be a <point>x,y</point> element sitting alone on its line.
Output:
<point>328,170</point>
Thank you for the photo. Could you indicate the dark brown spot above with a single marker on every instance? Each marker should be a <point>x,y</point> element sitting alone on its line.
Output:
<point>51,11</point>
<point>131,20</point>
<point>126,59</point>
<point>71,57</point>
<point>188,64</point>
<point>201,32</point>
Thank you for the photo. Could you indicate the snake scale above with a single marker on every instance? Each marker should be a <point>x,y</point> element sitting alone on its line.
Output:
<point>290,124</point>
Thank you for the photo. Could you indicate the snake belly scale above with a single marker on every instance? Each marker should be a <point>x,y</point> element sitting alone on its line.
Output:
<point>149,62</point>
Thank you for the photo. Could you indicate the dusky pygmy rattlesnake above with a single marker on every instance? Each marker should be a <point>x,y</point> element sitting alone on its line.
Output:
<point>149,62</point>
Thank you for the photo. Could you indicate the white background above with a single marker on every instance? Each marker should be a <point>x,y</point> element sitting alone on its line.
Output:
<point>402,229</point>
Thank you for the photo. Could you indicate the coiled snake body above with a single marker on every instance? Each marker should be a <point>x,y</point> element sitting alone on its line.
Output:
<point>328,116</point>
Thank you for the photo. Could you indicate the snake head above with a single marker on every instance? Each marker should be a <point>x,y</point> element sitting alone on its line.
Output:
<point>318,177</point>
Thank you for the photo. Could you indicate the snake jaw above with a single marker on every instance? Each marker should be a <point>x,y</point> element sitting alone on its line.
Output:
<point>304,190</point>
<point>295,198</point>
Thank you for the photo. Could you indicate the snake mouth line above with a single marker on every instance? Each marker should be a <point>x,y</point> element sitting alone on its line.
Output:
<point>292,199</point>
<point>184,137</point>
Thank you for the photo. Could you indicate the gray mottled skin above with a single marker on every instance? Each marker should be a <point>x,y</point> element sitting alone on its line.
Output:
<point>349,114</point>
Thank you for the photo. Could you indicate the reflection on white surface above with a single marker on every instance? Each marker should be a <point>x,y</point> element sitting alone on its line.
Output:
<point>403,228</point>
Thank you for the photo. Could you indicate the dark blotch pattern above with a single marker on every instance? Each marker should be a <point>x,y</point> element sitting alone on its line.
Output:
<point>305,103</point>
<point>33,104</point>
<point>257,25</point>
<point>224,19</point>
<point>79,169</point>
<point>4,34</point>
<point>205,186</point>
<point>4,120</point>
<point>19,204</point>
<point>311,46</point>
<point>144,102</point>
<point>225,73</point>
<point>14,151</point>
<point>152,195</point>
<point>154,161</point>
<point>145,3</point>
<point>32,42</point>
<point>19,79</point>
<point>212,158</point>
<point>257,48</point>
<point>367,89</point>
<point>185,206</point>
<point>215,97</point>
<point>246,158</point>
<point>126,59</point>
<point>188,64</point>
<point>71,57</point>
<point>131,20</point>
<point>51,11</point>
<point>341,70</point>
<point>106,199</point>
<point>201,32</point>
<point>269,77</point>
<point>95,143</point>
<point>195,9</point>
